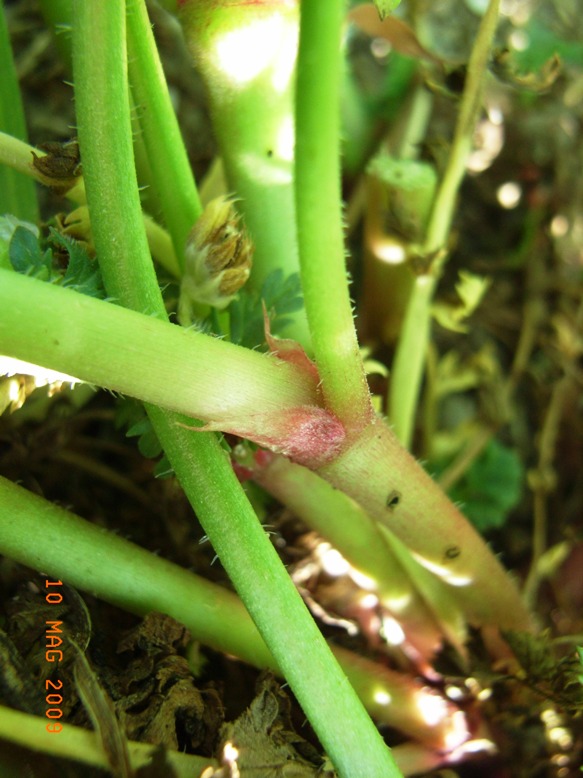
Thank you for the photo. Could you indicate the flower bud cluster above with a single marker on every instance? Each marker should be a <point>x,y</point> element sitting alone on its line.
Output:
<point>218,258</point>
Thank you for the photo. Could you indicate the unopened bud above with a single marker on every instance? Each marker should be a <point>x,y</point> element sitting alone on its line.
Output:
<point>218,258</point>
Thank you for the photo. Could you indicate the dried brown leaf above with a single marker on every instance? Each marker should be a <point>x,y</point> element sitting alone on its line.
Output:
<point>396,32</point>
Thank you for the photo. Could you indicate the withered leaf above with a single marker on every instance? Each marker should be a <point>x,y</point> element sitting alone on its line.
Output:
<point>158,696</point>
<point>396,32</point>
<point>17,688</point>
<point>156,634</point>
<point>61,163</point>
<point>264,742</point>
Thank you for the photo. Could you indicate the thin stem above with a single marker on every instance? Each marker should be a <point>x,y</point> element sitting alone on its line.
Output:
<point>543,480</point>
<point>319,214</point>
<point>17,194</point>
<point>19,155</point>
<point>407,373</point>
<point>465,458</point>
<point>103,120</point>
<point>409,361</point>
<point>172,176</point>
<point>200,464</point>
<point>80,745</point>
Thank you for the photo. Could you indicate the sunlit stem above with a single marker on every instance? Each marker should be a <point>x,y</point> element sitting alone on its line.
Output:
<point>393,575</point>
<point>246,53</point>
<point>407,373</point>
<point>319,214</point>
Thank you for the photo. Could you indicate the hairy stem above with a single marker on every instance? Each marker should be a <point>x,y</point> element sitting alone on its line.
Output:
<point>171,173</point>
<point>200,464</point>
<point>319,214</point>
<point>17,194</point>
<point>246,54</point>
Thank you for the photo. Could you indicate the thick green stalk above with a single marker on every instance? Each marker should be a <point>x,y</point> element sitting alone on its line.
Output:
<point>17,193</point>
<point>246,54</point>
<point>171,173</point>
<point>44,536</point>
<point>137,355</point>
<point>34,532</point>
<point>407,372</point>
<point>393,489</point>
<point>319,214</point>
<point>200,464</point>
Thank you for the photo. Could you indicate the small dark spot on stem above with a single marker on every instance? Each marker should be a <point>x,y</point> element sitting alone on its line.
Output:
<point>270,152</point>
<point>452,552</point>
<point>393,499</point>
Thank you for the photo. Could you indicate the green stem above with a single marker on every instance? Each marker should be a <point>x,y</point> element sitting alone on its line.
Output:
<point>83,746</point>
<point>407,373</point>
<point>246,55</point>
<point>35,533</point>
<point>396,578</point>
<point>409,361</point>
<point>315,677</point>
<point>138,355</point>
<point>19,156</point>
<point>129,352</point>
<point>17,194</point>
<point>393,489</point>
<point>319,214</point>
<point>44,536</point>
<point>106,345</point>
<point>171,173</point>
<point>200,464</point>
<point>103,121</point>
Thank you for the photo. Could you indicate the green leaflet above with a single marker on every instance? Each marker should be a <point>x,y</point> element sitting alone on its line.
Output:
<point>491,487</point>
<point>281,297</point>
<point>30,255</point>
